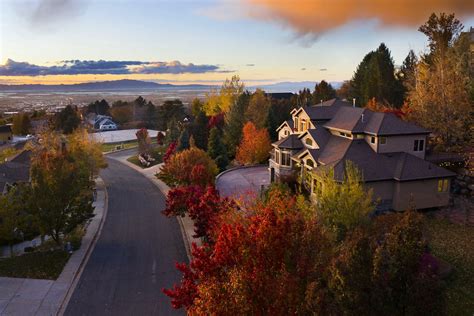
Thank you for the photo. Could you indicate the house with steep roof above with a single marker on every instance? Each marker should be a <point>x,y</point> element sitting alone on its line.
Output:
<point>6,134</point>
<point>14,171</point>
<point>101,122</point>
<point>389,152</point>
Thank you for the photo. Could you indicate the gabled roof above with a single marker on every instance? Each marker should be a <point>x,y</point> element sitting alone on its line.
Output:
<point>290,142</point>
<point>359,120</point>
<point>390,124</point>
<point>319,135</point>
<point>15,170</point>
<point>409,167</point>
<point>381,167</point>
<point>323,111</point>
<point>313,153</point>
<point>288,123</point>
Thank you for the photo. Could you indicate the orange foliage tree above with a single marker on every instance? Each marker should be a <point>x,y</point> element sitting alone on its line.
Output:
<point>189,167</point>
<point>255,145</point>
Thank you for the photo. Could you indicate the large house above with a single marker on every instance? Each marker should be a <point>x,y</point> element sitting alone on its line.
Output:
<point>15,171</point>
<point>5,134</point>
<point>389,152</point>
<point>102,123</point>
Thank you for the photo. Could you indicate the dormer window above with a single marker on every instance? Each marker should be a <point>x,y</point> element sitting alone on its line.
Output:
<point>418,145</point>
<point>296,124</point>
<point>309,142</point>
<point>382,140</point>
<point>372,139</point>
<point>309,163</point>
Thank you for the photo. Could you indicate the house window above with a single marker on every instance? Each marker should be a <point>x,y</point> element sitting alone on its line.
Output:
<point>309,142</point>
<point>382,140</point>
<point>286,133</point>
<point>443,185</point>
<point>372,139</point>
<point>309,163</point>
<point>418,145</point>
<point>343,134</point>
<point>302,125</point>
<point>277,156</point>
<point>296,124</point>
<point>285,158</point>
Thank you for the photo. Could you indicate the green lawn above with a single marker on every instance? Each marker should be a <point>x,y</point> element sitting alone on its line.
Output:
<point>125,145</point>
<point>36,265</point>
<point>157,153</point>
<point>454,244</point>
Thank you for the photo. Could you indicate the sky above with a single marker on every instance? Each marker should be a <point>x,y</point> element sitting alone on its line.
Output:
<point>206,41</point>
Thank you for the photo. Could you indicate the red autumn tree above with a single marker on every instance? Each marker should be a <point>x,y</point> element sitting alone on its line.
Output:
<point>263,264</point>
<point>159,138</point>
<point>204,206</point>
<point>192,166</point>
<point>255,145</point>
<point>216,121</point>
<point>278,260</point>
<point>170,151</point>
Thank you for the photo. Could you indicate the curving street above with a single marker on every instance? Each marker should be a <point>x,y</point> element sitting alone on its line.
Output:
<point>135,255</point>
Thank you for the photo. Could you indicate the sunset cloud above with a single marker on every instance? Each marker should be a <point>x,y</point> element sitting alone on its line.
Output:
<point>99,67</point>
<point>313,17</point>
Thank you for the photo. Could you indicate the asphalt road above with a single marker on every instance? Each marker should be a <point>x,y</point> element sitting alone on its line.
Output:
<point>135,255</point>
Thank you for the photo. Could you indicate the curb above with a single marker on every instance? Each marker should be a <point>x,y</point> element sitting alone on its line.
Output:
<point>90,248</point>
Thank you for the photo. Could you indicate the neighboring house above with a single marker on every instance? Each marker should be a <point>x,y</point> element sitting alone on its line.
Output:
<point>389,152</point>
<point>103,123</point>
<point>14,171</point>
<point>6,134</point>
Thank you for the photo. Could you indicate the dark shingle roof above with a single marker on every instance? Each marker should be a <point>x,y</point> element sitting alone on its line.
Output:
<point>290,142</point>
<point>320,135</point>
<point>15,170</point>
<point>375,167</point>
<point>326,110</point>
<point>409,167</point>
<point>358,120</point>
<point>334,150</point>
<point>5,129</point>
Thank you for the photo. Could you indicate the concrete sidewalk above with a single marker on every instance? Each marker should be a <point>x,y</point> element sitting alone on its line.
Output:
<point>186,223</point>
<point>49,297</point>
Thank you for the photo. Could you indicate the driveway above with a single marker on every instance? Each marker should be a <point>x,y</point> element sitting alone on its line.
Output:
<point>135,255</point>
<point>245,182</point>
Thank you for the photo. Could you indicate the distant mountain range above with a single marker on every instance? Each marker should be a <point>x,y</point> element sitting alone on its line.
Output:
<point>129,85</point>
<point>293,86</point>
<point>124,84</point>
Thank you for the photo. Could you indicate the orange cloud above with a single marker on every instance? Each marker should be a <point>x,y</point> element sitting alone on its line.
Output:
<point>311,17</point>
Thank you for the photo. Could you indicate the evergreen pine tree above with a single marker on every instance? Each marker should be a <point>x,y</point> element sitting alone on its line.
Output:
<point>323,92</point>
<point>172,133</point>
<point>183,142</point>
<point>375,78</point>
<point>235,120</point>
<point>216,148</point>
<point>199,130</point>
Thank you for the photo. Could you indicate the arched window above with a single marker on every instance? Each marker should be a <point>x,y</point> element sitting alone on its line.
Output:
<point>309,141</point>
